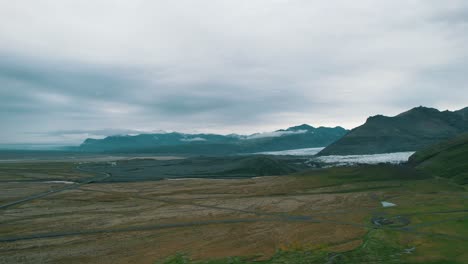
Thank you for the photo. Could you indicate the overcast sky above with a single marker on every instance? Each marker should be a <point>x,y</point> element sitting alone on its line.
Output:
<point>73,69</point>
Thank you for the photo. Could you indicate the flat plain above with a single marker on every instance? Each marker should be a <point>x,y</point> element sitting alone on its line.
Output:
<point>55,212</point>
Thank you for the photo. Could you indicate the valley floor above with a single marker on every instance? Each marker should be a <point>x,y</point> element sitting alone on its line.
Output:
<point>332,215</point>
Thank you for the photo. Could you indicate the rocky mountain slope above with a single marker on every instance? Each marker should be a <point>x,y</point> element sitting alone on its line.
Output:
<point>409,131</point>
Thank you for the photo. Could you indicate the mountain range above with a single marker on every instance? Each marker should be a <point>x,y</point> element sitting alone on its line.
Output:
<point>409,131</point>
<point>412,130</point>
<point>303,136</point>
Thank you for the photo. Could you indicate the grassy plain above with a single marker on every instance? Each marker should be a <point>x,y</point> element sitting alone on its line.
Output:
<point>313,216</point>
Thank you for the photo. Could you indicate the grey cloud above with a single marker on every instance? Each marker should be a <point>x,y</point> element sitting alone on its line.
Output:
<point>100,132</point>
<point>72,79</point>
<point>458,14</point>
<point>223,66</point>
<point>193,139</point>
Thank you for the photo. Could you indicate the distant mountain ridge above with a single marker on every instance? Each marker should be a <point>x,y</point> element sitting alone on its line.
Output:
<point>303,136</point>
<point>409,131</point>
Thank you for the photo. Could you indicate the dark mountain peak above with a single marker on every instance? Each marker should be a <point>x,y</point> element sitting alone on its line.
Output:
<point>301,127</point>
<point>420,110</point>
<point>89,141</point>
<point>408,131</point>
<point>376,117</point>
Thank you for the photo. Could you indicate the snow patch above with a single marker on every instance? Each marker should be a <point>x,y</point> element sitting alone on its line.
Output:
<point>393,158</point>
<point>63,182</point>
<point>387,204</point>
<point>294,152</point>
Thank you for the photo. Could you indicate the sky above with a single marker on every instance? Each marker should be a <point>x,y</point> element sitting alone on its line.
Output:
<point>91,68</point>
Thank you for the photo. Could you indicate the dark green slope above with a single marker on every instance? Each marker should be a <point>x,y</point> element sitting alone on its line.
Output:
<point>448,159</point>
<point>409,131</point>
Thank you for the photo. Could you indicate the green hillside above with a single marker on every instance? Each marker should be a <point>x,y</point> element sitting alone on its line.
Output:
<point>448,159</point>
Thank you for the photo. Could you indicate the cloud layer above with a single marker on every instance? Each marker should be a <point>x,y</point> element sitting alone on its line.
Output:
<point>223,66</point>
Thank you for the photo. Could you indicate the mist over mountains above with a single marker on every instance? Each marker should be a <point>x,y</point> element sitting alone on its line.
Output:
<point>303,136</point>
<point>409,131</point>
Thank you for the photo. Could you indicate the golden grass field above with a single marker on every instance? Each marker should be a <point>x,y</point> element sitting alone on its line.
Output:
<point>144,222</point>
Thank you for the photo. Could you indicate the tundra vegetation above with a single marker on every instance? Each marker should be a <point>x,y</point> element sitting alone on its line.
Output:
<point>297,213</point>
